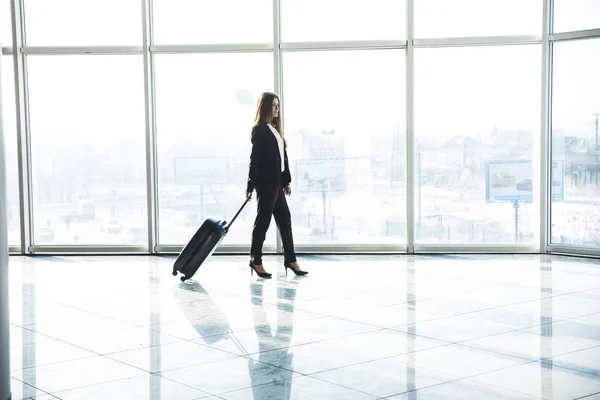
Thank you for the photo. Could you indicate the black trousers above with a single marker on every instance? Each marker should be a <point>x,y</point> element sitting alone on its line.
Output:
<point>271,202</point>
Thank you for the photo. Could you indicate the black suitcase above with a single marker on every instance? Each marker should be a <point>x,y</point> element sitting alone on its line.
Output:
<point>202,245</point>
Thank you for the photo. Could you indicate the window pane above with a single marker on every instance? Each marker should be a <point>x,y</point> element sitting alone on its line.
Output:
<point>10,142</point>
<point>575,15</point>
<point>88,149</point>
<point>460,18</point>
<point>205,22</point>
<point>205,111</point>
<point>315,20</point>
<point>5,24</point>
<point>344,121</point>
<point>83,22</point>
<point>575,108</point>
<point>477,117</point>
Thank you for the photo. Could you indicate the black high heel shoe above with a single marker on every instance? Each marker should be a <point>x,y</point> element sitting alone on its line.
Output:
<point>296,271</point>
<point>264,275</point>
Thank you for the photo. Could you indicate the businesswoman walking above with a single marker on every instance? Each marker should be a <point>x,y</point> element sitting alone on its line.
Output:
<point>269,174</point>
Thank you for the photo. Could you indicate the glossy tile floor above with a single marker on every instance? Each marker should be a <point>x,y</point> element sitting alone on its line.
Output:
<point>357,327</point>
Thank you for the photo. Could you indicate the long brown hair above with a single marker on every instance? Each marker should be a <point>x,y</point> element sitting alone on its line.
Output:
<point>264,109</point>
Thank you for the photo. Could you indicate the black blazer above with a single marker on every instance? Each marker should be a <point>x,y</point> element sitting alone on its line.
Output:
<point>265,160</point>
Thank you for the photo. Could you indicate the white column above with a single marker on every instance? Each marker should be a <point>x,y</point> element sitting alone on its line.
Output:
<point>4,320</point>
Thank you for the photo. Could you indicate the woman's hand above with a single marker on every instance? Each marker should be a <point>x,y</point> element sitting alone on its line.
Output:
<point>249,195</point>
<point>287,190</point>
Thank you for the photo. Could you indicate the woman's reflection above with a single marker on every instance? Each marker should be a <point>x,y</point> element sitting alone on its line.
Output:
<point>274,349</point>
<point>275,361</point>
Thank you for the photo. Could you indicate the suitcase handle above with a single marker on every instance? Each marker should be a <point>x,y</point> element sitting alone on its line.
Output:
<point>238,213</point>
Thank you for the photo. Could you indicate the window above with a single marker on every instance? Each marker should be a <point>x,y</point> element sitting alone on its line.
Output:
<point>344,116</point>
<point>315,20</point>
<point>575,216</point>
<point>88,149</point>
<point>10,144</point>
<point>83,23</point>
<point>206,22</point>
<point>462,18</point>
<point>477,116</point>
<point>205,106</point>
<point>5,24</point>
<point>576,15</point>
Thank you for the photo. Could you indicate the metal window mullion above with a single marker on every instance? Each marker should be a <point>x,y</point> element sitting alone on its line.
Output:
<point>343,45</point>
<point>211,48</point>
<point>546,130</point>
<point>149,107</point>
<point>575,35</point>
<point>278,79</point>
<point>65,50</point>
<point>410,134</point>
<point>477,41</point>
<point>23,134</point>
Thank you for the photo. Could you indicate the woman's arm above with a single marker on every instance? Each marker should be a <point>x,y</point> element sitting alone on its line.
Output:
<point>255,156</point>
<point>286,175</point>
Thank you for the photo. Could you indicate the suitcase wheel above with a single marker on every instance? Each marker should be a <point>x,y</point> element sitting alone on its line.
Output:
<point>183,278</point>
<point>174,272</point>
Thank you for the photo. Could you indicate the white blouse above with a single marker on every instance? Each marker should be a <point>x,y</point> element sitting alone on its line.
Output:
<point>280,144</point>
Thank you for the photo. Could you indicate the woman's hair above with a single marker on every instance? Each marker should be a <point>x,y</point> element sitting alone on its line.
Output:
<point>264,109</point>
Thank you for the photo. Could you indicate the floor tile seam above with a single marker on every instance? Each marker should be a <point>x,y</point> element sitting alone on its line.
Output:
<point>552,323</point>
<point>56,363</point>
<point>301,375</point>
<point>524,361</point>
<point>530,359</point>
<point>167,344</point>
<point>376,327</point>
<point>31,386</point>
<point>314,313</point>
<point>586,371</point>
<point>500,353</point>
<point>57,393</point>
<point>587,396</point>
<point>158,374</point>
<point>251,386</point>
<point>444,343</point>
<point>561,318</point>
<point>371,394</point>
<point>102,353</point>
<point>584,316</point>
<point>194,340</point>
<point>379,359</point>
<point>60,340</point>
<point>466,379</point>
<point>230,355</point>
<point>329,369</point>
<point>91,313</point>
<point>94,384</point>
<point>460,341</point>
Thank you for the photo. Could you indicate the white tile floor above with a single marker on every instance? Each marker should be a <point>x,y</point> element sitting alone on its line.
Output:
<point>357,327</point>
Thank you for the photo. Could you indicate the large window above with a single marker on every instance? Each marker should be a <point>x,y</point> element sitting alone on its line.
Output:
<point>5,24</point>
<point>205,108</point>
<point>211,22</point>
<point>344,120</point>
<point>83,23</point>
<point>575,146</point>
<point>477,120</point>
<point>10,144</point>
<point>575,15</point>
<point>458,18</point>
<point>88,149</point>
<point>317,20</point>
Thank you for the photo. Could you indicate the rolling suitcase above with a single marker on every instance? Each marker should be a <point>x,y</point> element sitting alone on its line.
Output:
<point>202,245</point>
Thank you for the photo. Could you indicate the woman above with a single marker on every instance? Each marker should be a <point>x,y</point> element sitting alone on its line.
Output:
<point>269,174</point>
